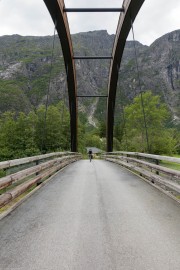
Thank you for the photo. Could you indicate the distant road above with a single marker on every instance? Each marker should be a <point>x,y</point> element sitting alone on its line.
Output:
<point>93,216</point>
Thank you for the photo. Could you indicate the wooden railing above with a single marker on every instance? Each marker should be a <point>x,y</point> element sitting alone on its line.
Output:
<point>149,167</point>
<point>30,172</point>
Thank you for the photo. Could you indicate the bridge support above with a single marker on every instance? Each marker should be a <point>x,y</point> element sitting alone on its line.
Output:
<point>131,9</point>
<point>56,9</point>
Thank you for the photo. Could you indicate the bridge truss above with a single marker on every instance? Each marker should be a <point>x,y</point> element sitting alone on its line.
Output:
<point>58,12</point>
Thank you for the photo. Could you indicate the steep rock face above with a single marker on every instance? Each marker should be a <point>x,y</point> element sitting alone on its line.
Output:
<point>165,60</point>
<point>172,72</point>
<point>159,69</point>
<point>92,75</point>
<point>25,62</point>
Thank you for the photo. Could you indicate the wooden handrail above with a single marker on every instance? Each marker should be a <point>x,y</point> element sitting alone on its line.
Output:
<point>21,161</point>
<point>151,165</point>
<point>150,156</point>
<point>168,179</point>
<point>32,175</point>
<point>16,177</point>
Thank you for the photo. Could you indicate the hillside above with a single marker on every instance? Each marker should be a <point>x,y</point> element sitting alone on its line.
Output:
<point>25,68</point>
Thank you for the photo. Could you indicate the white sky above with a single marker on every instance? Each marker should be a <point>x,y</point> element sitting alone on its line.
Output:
<point>156,17</point>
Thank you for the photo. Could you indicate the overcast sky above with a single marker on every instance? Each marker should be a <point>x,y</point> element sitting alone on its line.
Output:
<point>30,17</point>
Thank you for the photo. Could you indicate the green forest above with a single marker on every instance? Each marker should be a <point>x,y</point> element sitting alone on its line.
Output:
<point>148,127</point>
<point>147,122</point>
<point>42,131</point>
<point>37,132</point>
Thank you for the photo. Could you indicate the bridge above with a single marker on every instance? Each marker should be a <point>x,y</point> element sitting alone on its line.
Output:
<point>120,211</point>
<point>92,215</point>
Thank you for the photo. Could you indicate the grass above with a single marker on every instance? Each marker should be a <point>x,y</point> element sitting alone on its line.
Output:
<point>171,165</point>
<point>11,203</point>
<point>2,173</point>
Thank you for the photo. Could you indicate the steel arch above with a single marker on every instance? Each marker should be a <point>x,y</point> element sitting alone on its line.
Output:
<point>56,9</point>
<point>58,14</point>
<point>131,9</point>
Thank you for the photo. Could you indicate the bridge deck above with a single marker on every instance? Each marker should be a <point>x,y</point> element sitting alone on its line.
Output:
<point>93,216</point>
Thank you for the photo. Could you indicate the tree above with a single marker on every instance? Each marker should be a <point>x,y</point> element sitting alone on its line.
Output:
<point>53,133</point>
<point>7,132</point>
<point>102,129</point>
<point>26,135</point>
<point>92,140</point>
<point>159,138</point>
<point>65,124</point>
<point>17,136</point>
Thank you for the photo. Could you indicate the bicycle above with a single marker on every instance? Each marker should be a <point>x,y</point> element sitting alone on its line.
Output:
<point>90,157</point>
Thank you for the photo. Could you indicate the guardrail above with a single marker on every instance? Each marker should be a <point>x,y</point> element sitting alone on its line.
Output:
<point>147,165</point>
<point>38,168</point>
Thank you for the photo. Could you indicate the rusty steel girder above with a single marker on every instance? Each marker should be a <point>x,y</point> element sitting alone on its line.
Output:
<point>59,17</point>
<point>131,9</point>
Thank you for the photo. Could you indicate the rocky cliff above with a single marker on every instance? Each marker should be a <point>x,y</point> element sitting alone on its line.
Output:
<point>159,66</point>
<point>25,64</point>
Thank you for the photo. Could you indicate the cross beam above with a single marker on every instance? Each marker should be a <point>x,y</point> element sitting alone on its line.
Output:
<point>93,9</point>
<point>88,96</point>
<point>92,57</point>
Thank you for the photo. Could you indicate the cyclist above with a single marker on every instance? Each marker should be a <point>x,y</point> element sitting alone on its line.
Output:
<point>90,154</point>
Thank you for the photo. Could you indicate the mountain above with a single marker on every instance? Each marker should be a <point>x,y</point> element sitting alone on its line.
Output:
<point>159,67</point>
<point>25,68</point>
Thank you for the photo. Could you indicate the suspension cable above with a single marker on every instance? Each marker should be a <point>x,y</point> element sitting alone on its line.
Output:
<point>63,104</point>
<point>140,88</point>
<point>43,146</point>
<point>123,113</point>
<point>124,122</point>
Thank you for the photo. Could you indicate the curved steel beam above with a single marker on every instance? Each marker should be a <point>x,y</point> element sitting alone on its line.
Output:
<point>56,9</point>
<point>131,9</point>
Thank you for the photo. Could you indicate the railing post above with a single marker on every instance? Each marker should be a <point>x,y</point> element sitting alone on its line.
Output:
<point>37,173</point>
<point>157,163</point>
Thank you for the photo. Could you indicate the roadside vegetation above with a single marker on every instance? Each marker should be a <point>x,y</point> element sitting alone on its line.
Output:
<point>158,138</point>
<point>24,135</point>
<point>171,165</point>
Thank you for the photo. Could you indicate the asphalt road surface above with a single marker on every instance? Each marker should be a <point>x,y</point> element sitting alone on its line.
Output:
<point>93,216</point>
